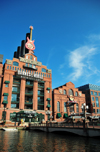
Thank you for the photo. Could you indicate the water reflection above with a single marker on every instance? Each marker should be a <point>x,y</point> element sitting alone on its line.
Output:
<point>25,141</point>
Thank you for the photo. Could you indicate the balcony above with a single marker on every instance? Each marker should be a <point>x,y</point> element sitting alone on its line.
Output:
<point>16,82</point>
<point>16,91</point>
<point>29,93</point>
<point>29,85</point>
<point>40,86</point>
<point>28,103</point>
<point>41,94</point>
<point>15,102</point>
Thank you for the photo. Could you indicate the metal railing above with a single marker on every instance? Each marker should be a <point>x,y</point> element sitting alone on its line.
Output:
<point>68,125</point>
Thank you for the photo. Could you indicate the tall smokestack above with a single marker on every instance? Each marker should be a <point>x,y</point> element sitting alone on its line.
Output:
<point>23,48</point>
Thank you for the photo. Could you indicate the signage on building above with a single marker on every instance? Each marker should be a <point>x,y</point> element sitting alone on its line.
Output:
<point>30,44</point>
<point>30,112</point>
<point>8,61</point>
<point>30,61</point>
<point>24,74</point>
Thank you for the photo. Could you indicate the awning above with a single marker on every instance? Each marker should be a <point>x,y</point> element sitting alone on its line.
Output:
<point>5,94</point>
<point>48,88</point>
<point>5,102</point>
<point>48,99</point>
<point>7,82</point>
<point>48,105</point>
<point>21,112</point>
<point>59,115</point>
<point>65,115</point>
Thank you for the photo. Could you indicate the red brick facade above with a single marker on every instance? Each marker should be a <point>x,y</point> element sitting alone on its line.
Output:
<point>61,96</point>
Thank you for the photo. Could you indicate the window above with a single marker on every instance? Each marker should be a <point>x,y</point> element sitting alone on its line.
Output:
<point>91,92</point>
<point>15,89</point>
<point>34,66</point>
<point>30,65</point>
<point>26,56</point>
<point>15,63</point>
<point>72,108</point>
<point>76,93</point>
<point>49,76</point>
<point>93,104</point>
<point>20,69</point>
<point>45,75</point>
<point>14,97</point>
<point>6,85</point>
<point>15,68</point>
<point>43,70</point>
<point>98,110</point>
<point>31,57</point>
<point>13,105</point>
<point>97,102</point>
<point>92,98</point>
<point>58,106</point>
<point>64,91</point>
<point>70,92</point>
<point>77,107</point>
<point>5,98</point>
<point>98,93</point>
<point>12,68</point>
<point>93,110</point>
<point>26,64</point>
<point>34,59</point>
<point>65,107</point>
<point>7,67</point>
<point>95,93</point>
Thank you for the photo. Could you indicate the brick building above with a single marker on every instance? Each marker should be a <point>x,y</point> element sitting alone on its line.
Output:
<point>92,94</point>
<point>27,85</point>
<point>66,100</point>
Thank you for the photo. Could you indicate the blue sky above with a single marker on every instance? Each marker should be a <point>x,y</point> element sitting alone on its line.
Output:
<point>66,34</point>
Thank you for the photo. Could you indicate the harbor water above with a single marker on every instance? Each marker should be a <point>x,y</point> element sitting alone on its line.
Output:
<point>33,141</point>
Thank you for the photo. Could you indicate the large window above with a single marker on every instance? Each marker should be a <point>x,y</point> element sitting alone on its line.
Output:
<point>31,57</point>
<point>14,97</point>
<point>58,106</point>
<point>77,107</point>
<point>15,63</point>
<point>91,92</point>
<point>97,102</point>
<point>93,104</point>
<point>65,107</point>
<point>70,92</point>
<point>98,93</point>
<point>5,98</point>
<point>92,98</point>
<point>43,70</point>
<point>98,110</point>
<point>64,91</point>
<point>95,93</point>
<point>72,108</point>
<point>15,89</point>
<point>76,93</point>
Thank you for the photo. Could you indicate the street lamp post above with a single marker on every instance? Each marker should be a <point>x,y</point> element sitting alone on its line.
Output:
<point>84,108</point>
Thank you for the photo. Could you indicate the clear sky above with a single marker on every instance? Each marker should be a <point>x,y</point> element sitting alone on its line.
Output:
<point>66,34</point>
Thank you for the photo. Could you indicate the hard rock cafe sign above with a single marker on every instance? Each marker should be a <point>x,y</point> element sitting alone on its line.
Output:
<point>30,44</point>
<point>71,99</point>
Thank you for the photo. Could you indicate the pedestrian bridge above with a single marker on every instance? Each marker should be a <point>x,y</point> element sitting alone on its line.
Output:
<point>77,129</point>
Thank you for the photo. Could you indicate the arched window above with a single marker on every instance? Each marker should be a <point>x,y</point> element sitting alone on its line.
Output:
<point>64,91</point>
<point>43,70</point>
<point>31,57</point>
<point>72,108</point>
<point>77,107</point>
<point>15,63</point>
<point>76,93</point>
<point>82,107</point>
<point>65,107</point>
<point>7,67</point>
<point>58,106</point>
<point>70,92</point>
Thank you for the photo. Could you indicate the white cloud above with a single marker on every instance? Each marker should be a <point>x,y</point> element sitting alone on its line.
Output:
<point>79,61</point>
<point>94,37</point>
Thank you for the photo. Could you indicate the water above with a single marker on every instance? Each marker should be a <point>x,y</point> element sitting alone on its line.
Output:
<point>31,141</point>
